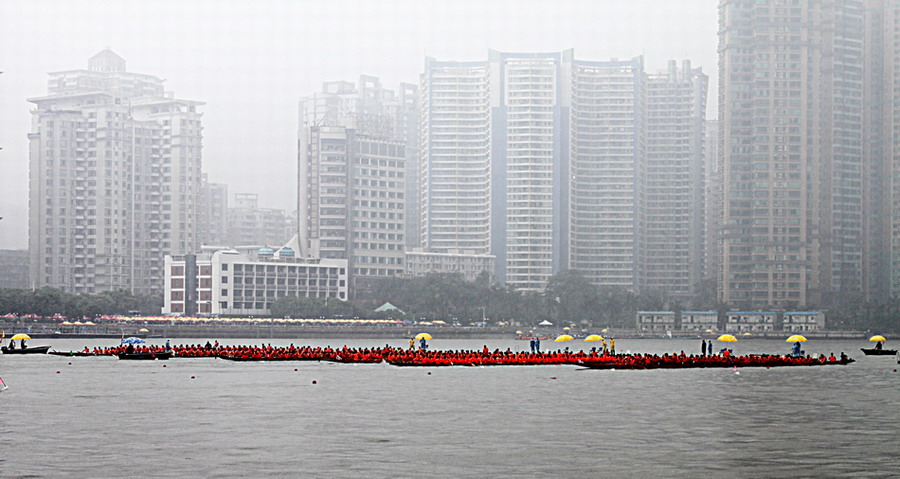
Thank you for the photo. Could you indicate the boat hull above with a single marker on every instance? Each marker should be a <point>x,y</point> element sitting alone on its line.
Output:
<point>878,352</point>
<point>69,353</point>
<point>145,356</point>
<point>34,350</point>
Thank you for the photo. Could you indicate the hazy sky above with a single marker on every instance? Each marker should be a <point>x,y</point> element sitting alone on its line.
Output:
<point>250,62</point>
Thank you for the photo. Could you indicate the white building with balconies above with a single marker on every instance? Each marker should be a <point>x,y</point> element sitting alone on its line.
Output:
<point>230,282</point>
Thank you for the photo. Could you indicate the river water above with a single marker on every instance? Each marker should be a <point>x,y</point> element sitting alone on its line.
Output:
<point>205,417</point>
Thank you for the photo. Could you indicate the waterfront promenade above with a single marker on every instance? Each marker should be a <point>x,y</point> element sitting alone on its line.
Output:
<point>263,328</point>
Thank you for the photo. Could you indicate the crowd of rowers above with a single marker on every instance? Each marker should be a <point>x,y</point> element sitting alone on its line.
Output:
<point>483,357</point>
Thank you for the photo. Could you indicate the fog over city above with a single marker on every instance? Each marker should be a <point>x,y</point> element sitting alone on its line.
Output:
<point>251,62</point>
<point>450,238</point>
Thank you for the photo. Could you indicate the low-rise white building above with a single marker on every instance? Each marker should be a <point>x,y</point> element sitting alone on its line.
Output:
<point>798,321</point>
<point>465,262</point>
<point>750,321</point>
<point>226,281</point>
<point>699,321</point>
<point>656,321</point>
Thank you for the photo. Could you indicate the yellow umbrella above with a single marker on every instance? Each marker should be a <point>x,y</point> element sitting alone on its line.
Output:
<point>727,338</point>
<point>564,337</point>
<point>518,332</point>
<point>566,328</point>
<point>795,339</point>
<point>143,330</point>
<point>747,334</point>
<point>20,336</point>
<point>425,336</point>
<point>710,331</point>
<point>594,337</point>
<point>604,330</point>
<point>877,338</point>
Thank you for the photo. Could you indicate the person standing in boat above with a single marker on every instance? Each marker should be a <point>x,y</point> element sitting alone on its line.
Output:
<point>537,345</point>
<point>612,346</point>
<point>23,343</point>
<point>168,346</point>
<point>709,347</point>
<point>703,348</point>
<point>603,345</point>
<point>532,345</point>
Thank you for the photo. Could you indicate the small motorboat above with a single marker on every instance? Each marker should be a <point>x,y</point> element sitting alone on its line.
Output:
<point>146,356</point>
<point>32,350</point>
<point>878,352</point>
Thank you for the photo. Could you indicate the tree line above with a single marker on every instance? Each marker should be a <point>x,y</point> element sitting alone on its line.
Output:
<point>49,301</point>
<point>568,299</point>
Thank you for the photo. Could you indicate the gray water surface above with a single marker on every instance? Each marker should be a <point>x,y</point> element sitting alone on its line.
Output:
<point>101,417</point>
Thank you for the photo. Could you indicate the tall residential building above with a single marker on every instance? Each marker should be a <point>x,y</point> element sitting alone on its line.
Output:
<point>880,66</point>
<point>530,98</point>
<point>213,216</point>
<point>884,96</point>
<point>248,224</point>
<point>407,129</point>
<point>358,177</point>
<point>115,179</point>
<point>494,153</point>
<point>674,223</point>
<point>791,109</point>
<point>541,160</point>
<point>456,156</point>
<point>608,164</point>
<point>353,187</point>
<point>375,112</point>
<point>712,202</point>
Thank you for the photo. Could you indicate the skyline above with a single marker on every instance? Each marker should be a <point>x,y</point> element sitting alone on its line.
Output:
<point>251,66</point>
